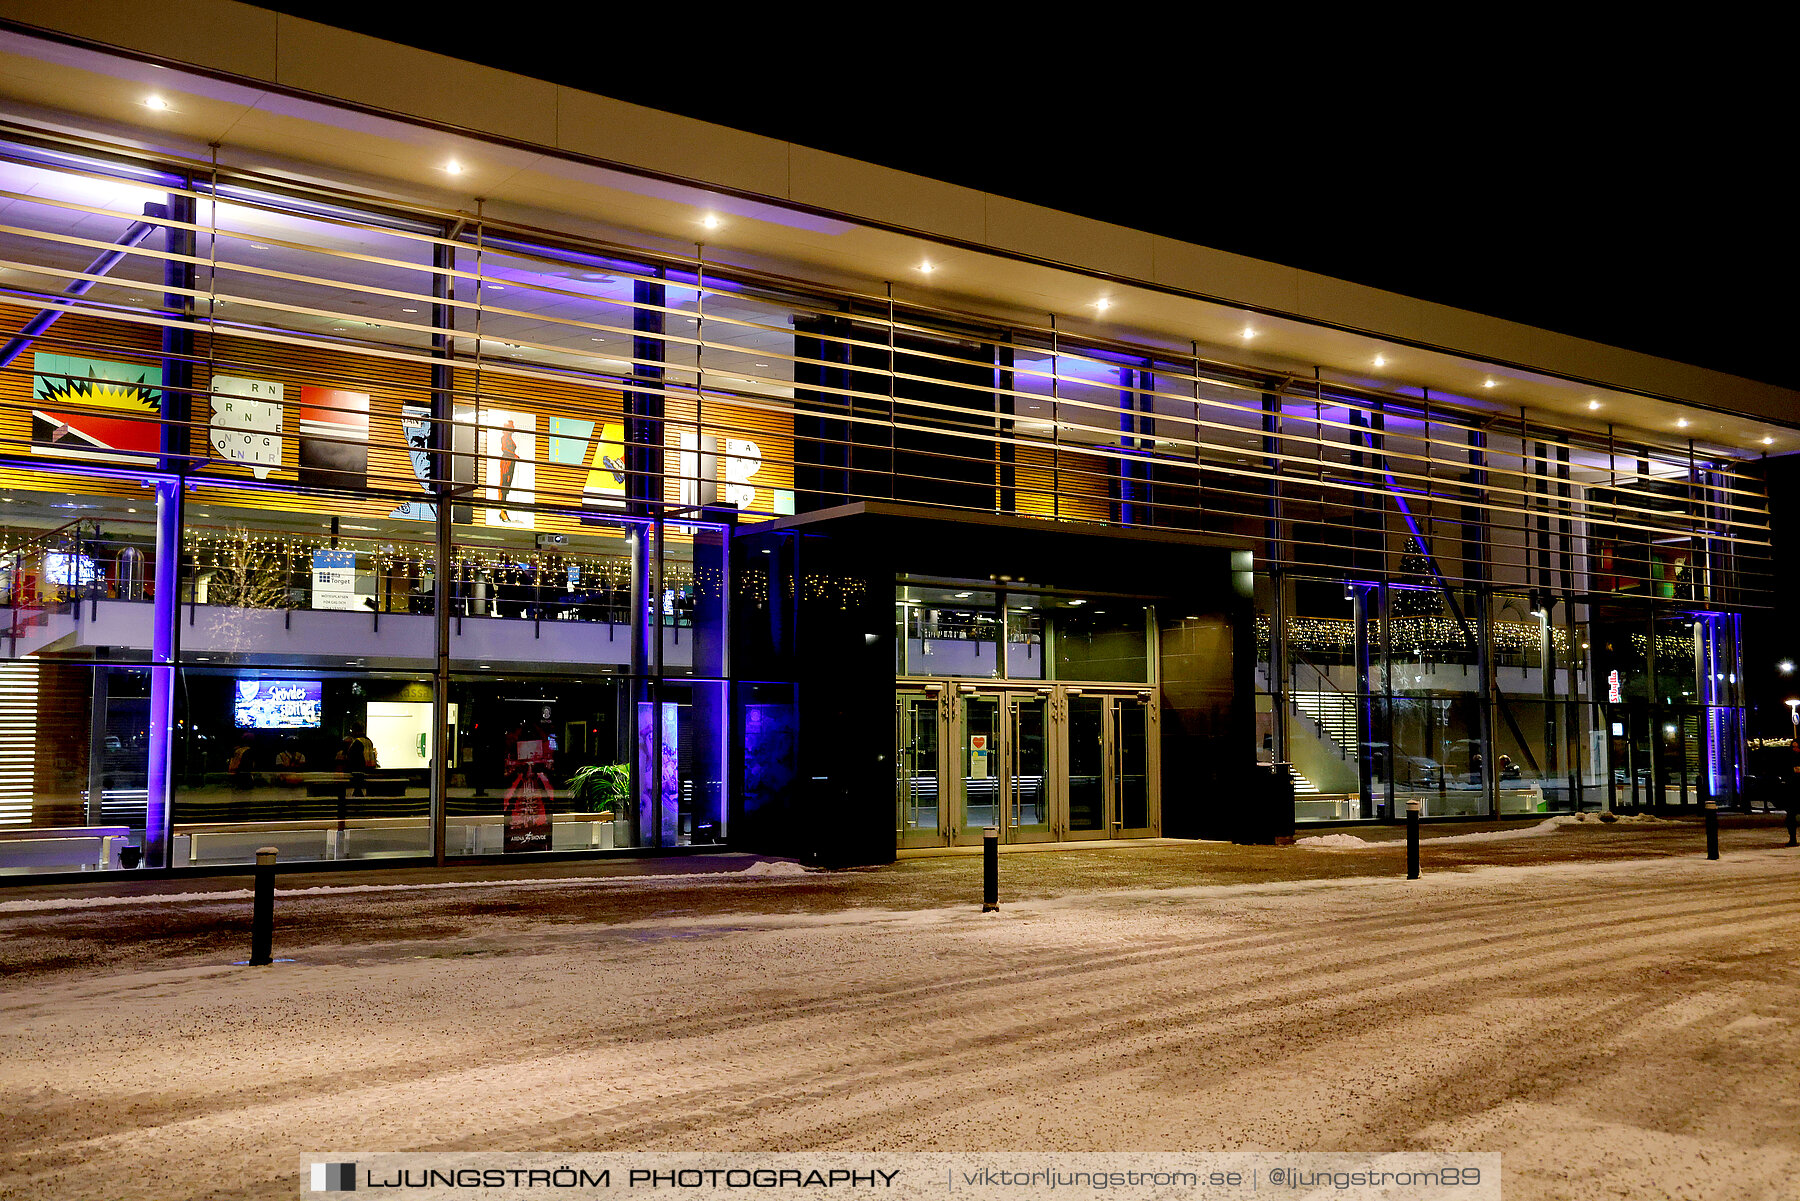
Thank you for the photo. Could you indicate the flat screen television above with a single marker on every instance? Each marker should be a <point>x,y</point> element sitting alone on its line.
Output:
<point>278,704</point>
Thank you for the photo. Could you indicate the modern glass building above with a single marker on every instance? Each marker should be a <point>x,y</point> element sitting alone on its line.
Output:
<point>400,459</point>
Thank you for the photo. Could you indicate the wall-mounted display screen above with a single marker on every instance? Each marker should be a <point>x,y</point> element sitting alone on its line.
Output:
<point>71,571</point>
<point>278,704</point>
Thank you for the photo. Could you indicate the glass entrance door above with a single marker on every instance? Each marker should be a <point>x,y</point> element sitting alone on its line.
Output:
<point>1049,762</point>
<point>1004,770</point>
<point>1110,787</point>
<point>917,722</point>
<point>1132,811</point>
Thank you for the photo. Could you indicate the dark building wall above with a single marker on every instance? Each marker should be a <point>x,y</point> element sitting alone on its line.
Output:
<point>1206,734</point>
<point>812,694</point>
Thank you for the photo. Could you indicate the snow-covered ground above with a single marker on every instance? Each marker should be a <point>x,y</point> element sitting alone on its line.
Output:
<point>1626,1028</point>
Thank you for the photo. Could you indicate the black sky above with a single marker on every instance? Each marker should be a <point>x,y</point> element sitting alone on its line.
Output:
<point>1605,191</point>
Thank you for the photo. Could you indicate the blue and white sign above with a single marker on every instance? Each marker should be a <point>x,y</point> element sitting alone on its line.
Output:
<point>334,579</point>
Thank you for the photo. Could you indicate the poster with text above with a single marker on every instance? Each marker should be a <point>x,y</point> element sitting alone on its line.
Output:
<point>334,438</point>
<point>246,422</point>
<point>334,579</point>
<point>95,409</point>
<point>510,452</point>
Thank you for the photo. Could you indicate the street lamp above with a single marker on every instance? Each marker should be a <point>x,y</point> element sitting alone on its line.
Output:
<point>1785,667</point>
<point>1793,704</point>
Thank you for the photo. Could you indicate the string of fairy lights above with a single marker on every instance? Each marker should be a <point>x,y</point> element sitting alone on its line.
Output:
<point>291,554</point>
<point>1430,636</point>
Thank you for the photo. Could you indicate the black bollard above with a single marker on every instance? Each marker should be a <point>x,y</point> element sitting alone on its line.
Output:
<point>262,912</point>
<point>1712,829</point>
<point>990,870</point>
<point>1412,840</point>
<point>1793,813</point>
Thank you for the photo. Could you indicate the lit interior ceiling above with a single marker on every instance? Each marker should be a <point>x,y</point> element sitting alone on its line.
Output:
<point>305,143</point>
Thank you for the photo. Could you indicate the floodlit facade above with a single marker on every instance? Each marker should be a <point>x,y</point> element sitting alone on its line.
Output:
<point>402,459</point>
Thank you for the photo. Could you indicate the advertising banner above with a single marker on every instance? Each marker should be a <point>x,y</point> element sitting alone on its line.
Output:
<point>526,804</point>
<point>94,409</point>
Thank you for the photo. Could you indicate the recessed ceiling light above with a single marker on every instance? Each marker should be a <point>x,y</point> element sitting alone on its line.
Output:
<point>1681,423</point>
<point>257,246</point>
<point>925,268</point>
<point>496,287</point>
<point>156,102</point>
<point>1593,404</point>
<point>1767,441</point>
<point>711,221</point>
<point>1249,333</point>
<point>1381,360</point>
<point>452,167</point>
<point>409,310</point>
<point>1103,304</point>
<point>1487,383</point>
<point>762,364</point>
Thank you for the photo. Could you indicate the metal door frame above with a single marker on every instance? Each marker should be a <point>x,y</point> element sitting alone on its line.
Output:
<point>1152,766</point>
<point>1005,760</point>
<point>933,690</point>
<point>953,735</point>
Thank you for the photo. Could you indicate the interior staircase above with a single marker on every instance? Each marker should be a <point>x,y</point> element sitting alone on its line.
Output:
<point>1334,714</point>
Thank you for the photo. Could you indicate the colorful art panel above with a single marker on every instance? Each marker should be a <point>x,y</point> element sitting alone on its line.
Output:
<point>246,422</point>
<point>95,409</point>
<point>334,438</point>
<point>510,452</point>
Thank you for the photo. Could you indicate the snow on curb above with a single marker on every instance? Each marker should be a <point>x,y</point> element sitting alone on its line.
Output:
<point>762,869</point>
<point>1549,825</point>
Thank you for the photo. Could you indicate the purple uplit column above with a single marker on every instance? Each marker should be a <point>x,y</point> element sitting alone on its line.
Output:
<point>159,789</point>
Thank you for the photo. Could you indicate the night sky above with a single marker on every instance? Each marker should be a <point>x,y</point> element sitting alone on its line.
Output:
<point>1644,210</point>
<point>1619,191</point>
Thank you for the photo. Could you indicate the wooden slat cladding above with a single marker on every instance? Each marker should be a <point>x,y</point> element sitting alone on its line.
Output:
<point>768,423</point>
<point>1062,482</point>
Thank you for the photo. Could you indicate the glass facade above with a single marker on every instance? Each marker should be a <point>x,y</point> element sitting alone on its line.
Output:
<point>363,531</point>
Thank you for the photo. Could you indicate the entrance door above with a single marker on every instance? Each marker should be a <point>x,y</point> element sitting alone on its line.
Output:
<point>917,726</point>
<point>1133,808</point>
<point>1004,772</point>
<point>1110,787</point>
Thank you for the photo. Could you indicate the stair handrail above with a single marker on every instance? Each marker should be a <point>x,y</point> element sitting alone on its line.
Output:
<point>30,546</point>
<point>1296,656</point>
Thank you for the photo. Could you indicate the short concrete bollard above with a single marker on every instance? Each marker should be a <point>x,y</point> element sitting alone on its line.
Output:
<point>990,870</point>
<point>1712,829</point>
<point>262,912</point>
<point>1412,840</point>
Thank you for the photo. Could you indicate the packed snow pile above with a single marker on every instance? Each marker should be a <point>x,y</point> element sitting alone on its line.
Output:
<point>773,867</point>
<point>1331,840</point>
<point>1549,825</point>
<point>762,869</point>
